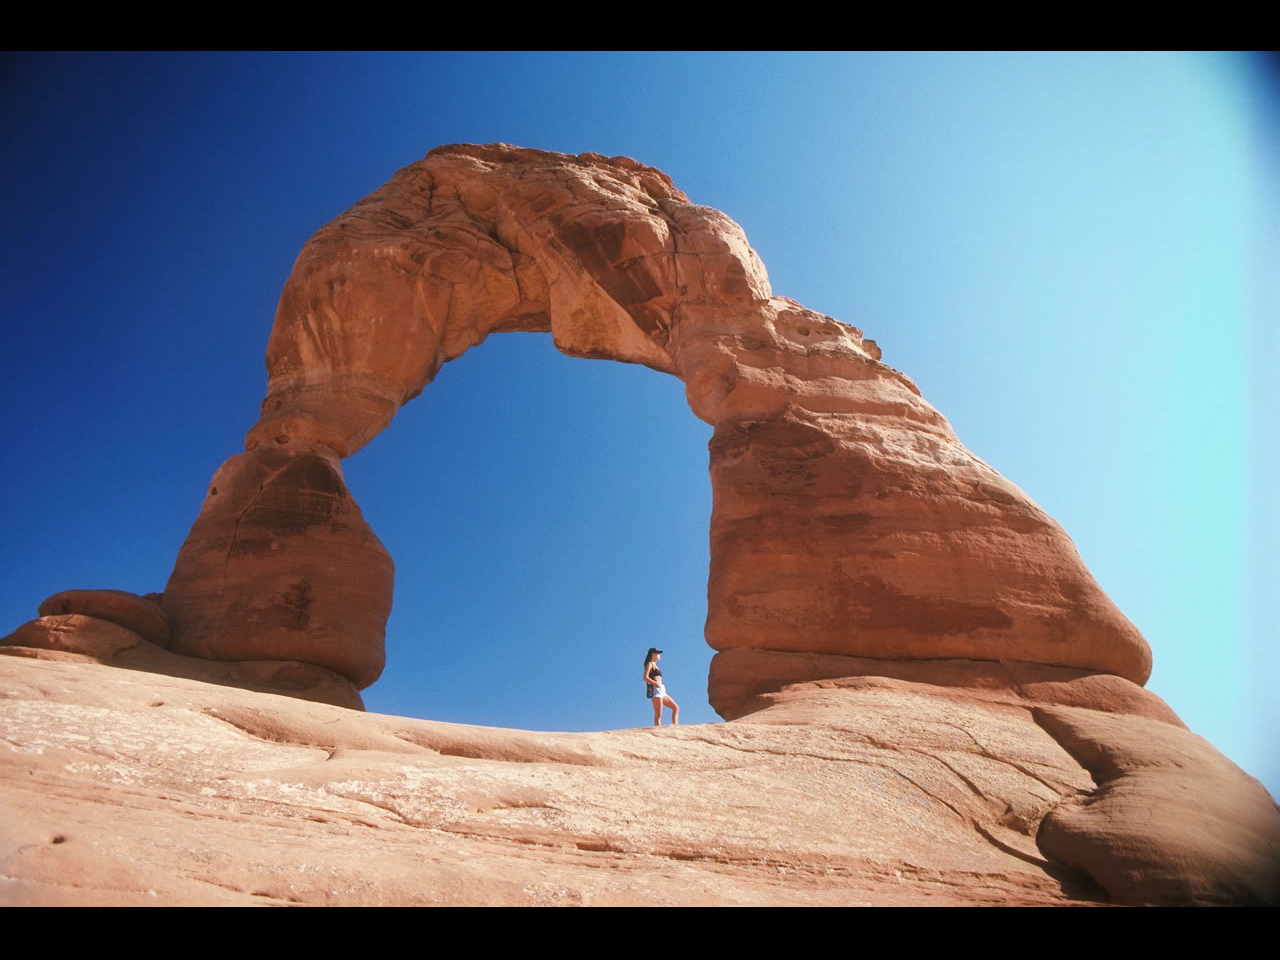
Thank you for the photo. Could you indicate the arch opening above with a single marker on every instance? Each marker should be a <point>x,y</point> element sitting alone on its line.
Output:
<point>548,517</point>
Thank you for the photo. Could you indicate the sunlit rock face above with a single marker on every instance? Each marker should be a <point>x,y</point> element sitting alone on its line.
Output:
<point>280,565</point>
<point>935,701</point>
<point>848,519</point>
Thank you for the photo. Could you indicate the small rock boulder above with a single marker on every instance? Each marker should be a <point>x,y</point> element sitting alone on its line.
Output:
<point>143,616</point>
<point>1171,821</point>
<point>74,633</point>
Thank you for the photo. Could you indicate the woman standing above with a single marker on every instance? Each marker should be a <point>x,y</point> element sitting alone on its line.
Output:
<point>655,690</point>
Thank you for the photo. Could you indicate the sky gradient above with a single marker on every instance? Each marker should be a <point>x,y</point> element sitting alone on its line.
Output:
<point>1073,256</point>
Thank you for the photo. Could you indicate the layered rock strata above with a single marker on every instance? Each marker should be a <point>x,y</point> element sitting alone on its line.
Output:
<point>847,520</point>
<point>125,630</point>
<point>143,615</point>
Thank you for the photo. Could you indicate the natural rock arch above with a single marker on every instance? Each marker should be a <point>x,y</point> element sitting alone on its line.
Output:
<point>848,520</point>
<point>852,537</point>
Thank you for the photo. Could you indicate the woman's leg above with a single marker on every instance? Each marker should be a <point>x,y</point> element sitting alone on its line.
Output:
<point>675,709</point>
<point>657,711</point>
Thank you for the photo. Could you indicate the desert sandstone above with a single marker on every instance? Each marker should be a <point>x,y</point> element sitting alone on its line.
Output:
<point>929,698</point>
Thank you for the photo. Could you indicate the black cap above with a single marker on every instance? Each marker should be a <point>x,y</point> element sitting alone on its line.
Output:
<point>653,650</point>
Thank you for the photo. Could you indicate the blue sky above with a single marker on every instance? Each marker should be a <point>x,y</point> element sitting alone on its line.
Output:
<point>1072,255</point>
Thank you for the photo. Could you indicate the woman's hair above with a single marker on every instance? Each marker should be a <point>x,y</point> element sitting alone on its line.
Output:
<point>648,657</point>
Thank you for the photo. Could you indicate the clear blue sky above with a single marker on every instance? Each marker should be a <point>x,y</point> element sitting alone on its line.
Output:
<point>1072,255</point>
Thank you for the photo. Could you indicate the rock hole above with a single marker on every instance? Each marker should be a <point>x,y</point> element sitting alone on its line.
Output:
<point>58,838</point>
<point>552,513</point>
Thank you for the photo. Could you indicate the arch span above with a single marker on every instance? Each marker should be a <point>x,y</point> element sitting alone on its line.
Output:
<point>848,520</point>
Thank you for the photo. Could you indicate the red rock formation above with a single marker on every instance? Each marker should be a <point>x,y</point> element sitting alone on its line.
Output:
<point>848,519</point>
<point>888,610</point>
<point>1171,821</point>
<point>79,638</point>
<point>143,616</point>
<point>280,565</point>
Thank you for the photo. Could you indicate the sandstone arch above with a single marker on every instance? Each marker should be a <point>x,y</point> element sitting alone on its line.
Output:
<point>848,520</point>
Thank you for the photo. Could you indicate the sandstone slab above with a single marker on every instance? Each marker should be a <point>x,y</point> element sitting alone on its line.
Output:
<point>121,787</point>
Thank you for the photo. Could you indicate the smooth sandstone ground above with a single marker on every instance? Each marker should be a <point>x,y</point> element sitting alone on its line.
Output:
<point>125,787</point>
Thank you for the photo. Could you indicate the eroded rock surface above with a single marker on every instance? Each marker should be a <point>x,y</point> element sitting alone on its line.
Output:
<point>120,787</point>
<point>892,618</point>
<point>747,677</point>
<point>847,519</point>
<point>124,788</point>
<point>143,615</point>
<point>280,565</point>
<point>77,638</point>
<point>1172,820</point>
